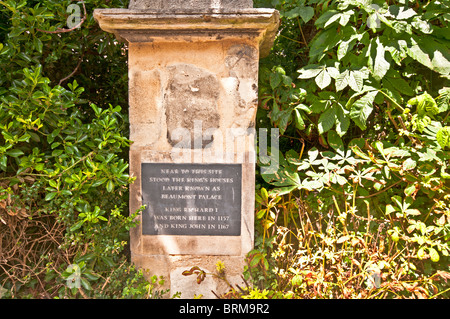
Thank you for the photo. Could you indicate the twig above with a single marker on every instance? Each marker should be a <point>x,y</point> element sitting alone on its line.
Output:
<point>281,35</point>
<point>82,293</point>
<point>109,277</point>
<point>301,31</point>
<point>392,120</point>
<point>74,71</point>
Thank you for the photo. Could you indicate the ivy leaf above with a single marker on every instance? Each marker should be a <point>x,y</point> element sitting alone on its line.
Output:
<point>362,108</point>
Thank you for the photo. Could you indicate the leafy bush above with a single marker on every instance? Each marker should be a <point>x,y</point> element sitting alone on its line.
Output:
<point>359,207</point>
<point>63,170</point>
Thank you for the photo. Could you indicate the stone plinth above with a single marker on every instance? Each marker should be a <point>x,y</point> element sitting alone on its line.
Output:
<point>189,4</point>
<point>193,96</point>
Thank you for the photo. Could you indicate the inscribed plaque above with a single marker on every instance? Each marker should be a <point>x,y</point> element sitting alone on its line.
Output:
<point>191,199</point>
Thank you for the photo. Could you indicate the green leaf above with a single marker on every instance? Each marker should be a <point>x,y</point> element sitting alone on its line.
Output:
<point>3,162</point>
<point>85,284</point>
<point>390,209</point>
<point>342,81</point>
<point>57,153</point>
<point>326,120</point>
<point>322,74</point>
<point>434,255</point>
<point>309,71</point>
<point>342,121</point>
<point>401,13</point>
<point>306,13</point>
<point>352,78</point>
<point>77,225</point>
<point>110,186</point>
<point>14,152</point>
<point>108,261</point>
<point>377,62</point>
<point>275,80</point>
<point>323,79</point>
<point>99,182</point>
<point>362,108</point>
<point>443,100</point>
<point>334,140</point>
<point>264,195</point>
<point>425,105</point>
<point>299,123</point>
<point>433,54</point>
<point>400,85</point>
<point>421,253</point>
<point>356,80</point>
<point>24,138</point>
<point>409,164</point>
<point>50,196</point>
<point>324,41</point>
<point>410,189</point>
<point>443,137</point>
<point>328,15</point>
<point>66,192</point>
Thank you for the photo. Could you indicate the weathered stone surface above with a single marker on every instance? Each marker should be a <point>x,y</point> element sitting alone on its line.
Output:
<point>189,4</point>
<point>191,96</point>
<point>181,26</point>
<point>193,69</point>
<point>144,96</point>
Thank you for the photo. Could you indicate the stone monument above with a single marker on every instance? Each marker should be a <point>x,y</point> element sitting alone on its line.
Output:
<point>193,96</point>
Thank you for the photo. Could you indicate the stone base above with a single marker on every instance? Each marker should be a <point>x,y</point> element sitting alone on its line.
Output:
<point>171,267</point>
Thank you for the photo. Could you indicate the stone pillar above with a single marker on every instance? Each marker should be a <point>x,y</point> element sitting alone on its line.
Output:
<point>193,96</point>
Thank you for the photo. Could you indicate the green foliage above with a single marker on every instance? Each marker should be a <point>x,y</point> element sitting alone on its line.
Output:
<point>63,155</point>
<point>359,207</point>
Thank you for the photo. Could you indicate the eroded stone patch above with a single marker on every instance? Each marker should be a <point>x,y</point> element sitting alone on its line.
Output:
<point>192,92</point>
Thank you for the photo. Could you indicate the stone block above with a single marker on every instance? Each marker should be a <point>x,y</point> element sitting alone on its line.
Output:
<point>189,4</point>
<point>144,95</point>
